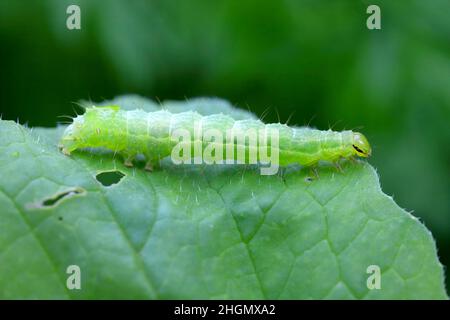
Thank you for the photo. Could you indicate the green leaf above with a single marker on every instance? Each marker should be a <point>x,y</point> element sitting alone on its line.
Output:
<point>204,106</point>
<point>200,231</point>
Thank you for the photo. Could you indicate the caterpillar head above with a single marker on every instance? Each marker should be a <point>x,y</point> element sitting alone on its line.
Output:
<point>361,146</point>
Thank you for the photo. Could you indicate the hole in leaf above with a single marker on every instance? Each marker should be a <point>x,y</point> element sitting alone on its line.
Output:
<point>109,178</point>
<point>50,202</point>
<point>56,199</point>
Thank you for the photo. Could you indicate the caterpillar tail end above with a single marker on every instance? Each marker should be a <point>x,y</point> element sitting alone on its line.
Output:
<point>68,142</point>
<point>64,149</point>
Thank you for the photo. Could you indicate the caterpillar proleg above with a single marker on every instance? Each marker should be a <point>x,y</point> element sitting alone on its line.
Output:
<point>217,138</point>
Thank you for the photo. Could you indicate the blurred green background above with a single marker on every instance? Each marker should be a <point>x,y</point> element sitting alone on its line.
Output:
<point>314,59</point>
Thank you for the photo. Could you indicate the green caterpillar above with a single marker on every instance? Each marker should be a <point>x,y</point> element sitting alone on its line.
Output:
<point>222,139</point>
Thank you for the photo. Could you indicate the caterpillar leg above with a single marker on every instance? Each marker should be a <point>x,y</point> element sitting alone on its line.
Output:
<point>314,172</point>
<point>152,164</point>
<point>149,166</point>
<point>128,161</point>
<point>338,167</point>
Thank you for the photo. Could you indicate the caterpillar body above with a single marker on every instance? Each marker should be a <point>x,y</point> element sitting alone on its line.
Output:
<point>152,134</point>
